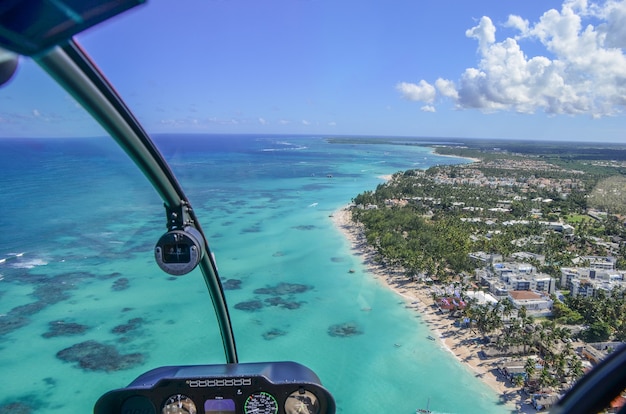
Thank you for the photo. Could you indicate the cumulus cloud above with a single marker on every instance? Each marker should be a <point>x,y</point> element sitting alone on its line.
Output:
<point>447,88</point>
<point>583,70</point>
<point>516,22</point>
<point>614,13</point>
<point>485,33</point>
<point>423,91</point>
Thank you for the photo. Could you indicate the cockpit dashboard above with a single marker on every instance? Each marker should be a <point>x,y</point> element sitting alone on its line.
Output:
<point>259,388</point>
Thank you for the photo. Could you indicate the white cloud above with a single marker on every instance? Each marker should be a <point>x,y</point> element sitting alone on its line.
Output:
<point>485,33</point>
<point>583,72</point>
<point>305,122</point>
<point>36,113</point>
<point>615,28</point>
<point>446,88</point>
<point>423,91</point>
<point>428,108</point>
<point>516,22</point>
<point>171,122</point>
<point>262,121</point>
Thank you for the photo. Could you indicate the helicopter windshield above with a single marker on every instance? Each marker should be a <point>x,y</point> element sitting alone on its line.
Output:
<point>85,309</point>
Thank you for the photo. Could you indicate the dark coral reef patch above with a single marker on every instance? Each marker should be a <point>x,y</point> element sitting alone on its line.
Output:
<point>127,332</point>
<point>12,321</point>
<point>22,407</point>
<point>120,284</point>
<point>344,330</point>
<point>131,325</point>
<point>249,306</point>
<point>49,290</point>
<point>285,304</point>
<point>305,227</point>
<point>63,328</point>
<point>46,291</point>
<point>283,288</point>
<point>252,229</point>
<point>276,291</point>
<point>273,334</point>
<point>232,284</point>
<point>96,356</point>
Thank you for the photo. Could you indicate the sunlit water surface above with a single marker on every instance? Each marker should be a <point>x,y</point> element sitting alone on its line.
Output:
<point>79,223</point>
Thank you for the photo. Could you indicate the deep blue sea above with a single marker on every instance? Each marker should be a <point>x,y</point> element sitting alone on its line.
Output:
<point>84,308</point>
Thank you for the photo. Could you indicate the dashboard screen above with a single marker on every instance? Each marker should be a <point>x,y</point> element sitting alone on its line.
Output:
<point>219,406</point>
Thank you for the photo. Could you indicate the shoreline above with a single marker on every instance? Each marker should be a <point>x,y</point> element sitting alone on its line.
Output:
<point>459,342</point>
<point>472,159</point>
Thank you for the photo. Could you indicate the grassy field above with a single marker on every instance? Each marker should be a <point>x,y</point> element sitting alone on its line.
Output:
<point>577,218</point>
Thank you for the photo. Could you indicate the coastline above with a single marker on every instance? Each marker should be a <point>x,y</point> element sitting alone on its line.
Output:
<point>471,159</point>
<point>459,342</point>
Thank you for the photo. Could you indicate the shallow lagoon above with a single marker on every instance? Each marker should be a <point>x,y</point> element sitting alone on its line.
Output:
<point>80,224</point>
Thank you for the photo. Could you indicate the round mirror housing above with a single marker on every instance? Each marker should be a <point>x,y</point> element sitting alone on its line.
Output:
<point>8,66</point>
<point>178,252</point>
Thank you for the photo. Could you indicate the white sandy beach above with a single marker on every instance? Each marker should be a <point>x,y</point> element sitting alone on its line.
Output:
<point>457,340</point>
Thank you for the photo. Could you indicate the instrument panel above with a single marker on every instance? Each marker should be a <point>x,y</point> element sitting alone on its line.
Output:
<point>253,388</point>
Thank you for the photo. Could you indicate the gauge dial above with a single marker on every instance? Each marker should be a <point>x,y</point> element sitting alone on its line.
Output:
<point>179,404</point>
<point>261,403</point>
<point>302,402</point>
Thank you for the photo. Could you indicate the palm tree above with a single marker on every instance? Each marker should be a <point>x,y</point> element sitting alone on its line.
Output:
<point>575,369</point>
<point>468,311</point>
<point>526,330</point>
<point>522,313</point>
<point>560,363</point>
<point>507,308</point>
<point>480,316</point>
<point>541,335</point>
<point>529,367</point>
<point>514,334</point>
<point>527,337</point>
<point>545,378</point>
<point>495,318</point>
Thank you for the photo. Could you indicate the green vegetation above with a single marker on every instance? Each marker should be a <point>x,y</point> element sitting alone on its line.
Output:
<point>605,315</point>
<point>558,204</point>
<point>609,195</point>
<point>576,218</point>
<point>500,205</point>
<point>403,237</point>
<point>523,335</point>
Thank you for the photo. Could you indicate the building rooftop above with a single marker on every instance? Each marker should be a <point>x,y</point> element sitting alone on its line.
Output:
<point>524,295</point>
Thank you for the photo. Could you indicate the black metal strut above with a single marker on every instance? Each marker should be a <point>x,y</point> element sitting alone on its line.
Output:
<point>70,66</point>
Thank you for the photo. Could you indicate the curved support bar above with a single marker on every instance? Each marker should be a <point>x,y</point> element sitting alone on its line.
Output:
<point>70,66</point>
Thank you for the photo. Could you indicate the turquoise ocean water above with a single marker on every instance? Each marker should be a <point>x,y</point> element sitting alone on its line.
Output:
<point>79,223</point>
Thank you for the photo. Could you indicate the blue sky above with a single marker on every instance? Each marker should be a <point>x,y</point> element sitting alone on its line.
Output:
<point>487,69</point>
